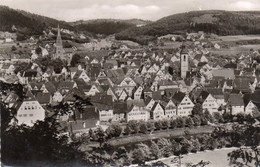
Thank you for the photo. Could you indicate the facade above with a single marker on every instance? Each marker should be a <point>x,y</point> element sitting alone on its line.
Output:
<point>137,113</point>
<point>209,103</point>
<point>170,109</point>
<point>30,111</point>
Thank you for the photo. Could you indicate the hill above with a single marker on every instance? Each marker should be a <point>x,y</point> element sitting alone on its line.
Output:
<point>27,23</point>
<point>218,22</point>
<point>107,26</point>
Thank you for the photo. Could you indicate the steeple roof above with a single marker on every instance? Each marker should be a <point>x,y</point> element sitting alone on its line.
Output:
<point>59,41</point>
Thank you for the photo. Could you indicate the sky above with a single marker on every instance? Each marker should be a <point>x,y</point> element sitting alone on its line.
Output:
<point>72,10</point>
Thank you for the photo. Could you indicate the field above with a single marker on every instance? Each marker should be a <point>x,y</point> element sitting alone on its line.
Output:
<point>239,37</point>
<point>217,158</point>
<point>234,50</point>
<point>126,140</point>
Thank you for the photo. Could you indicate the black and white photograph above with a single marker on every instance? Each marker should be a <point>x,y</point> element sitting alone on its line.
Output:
<point>130,83</point>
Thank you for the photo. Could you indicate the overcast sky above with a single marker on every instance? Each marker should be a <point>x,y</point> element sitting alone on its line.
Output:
<point>71,10</point>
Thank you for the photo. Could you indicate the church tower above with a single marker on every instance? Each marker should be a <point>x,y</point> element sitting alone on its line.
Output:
<point>184,60</point>
<point>60,53</point>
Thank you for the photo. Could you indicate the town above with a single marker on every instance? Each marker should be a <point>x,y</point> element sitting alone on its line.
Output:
<point>95,87</point>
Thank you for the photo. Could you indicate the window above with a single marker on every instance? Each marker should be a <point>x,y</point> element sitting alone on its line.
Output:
<point>25,115</point>
<point>20,115</point>
<point>31,115</point>
<point>184,58</point>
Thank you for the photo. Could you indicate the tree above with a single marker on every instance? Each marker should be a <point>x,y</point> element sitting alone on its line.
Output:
<point>42,142</point>
<point>155,150</point>
<point>165,124</point>
<point>134,126</point>
<point>189,122</point>
<point>165,147</point>
<point>150,125</point>
<point>158,125</point>
<point>197,109</point>
<point>208,116</point>
<point>218,117</point>
<point>75,60</point>
<point>180,122</point>
<point>143,127</point>
<point>127,130</point>
<point>38,51</point>
<point>145,149</point>
<point>57,65</point>
<point>92,134</point>
<point>186,145</point>
<point>196,145</point>
<point>173,123</point>
<point>245,156</point>
<point>100,135</point>
<point>114,130</point>
<point>204,121</point>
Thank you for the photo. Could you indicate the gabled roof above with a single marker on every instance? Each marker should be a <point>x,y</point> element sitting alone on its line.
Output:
<point>236,100</point>
<point>154,106</point>
<point>157,95</point>
<point>178,96</point>
<point>119,107</point>
<point>43,98</point>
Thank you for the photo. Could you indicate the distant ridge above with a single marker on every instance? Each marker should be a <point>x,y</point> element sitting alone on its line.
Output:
<point>211,21</point>
<point>142,31</point>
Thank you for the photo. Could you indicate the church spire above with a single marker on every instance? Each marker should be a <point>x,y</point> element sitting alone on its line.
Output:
<point>60,53</point>
<point>59,41</point>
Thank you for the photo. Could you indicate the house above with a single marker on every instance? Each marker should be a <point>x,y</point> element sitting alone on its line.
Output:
<point>138,93</point>
<point>30,111</point>
<point>93,90</point>
<point>119,111</point>
<point>82,121</point>
<point>209,103</point>
<point>183,103</point>
<point>235,104</point>
<point>57,97</point>
<point>226,73</point>
<point>123,95</point>
<point>147,92</point>
<point>170,109</point>
<point>137,111</point>
<point>106,115</point>
<point>250,107</point>
<point>157,111</point>
<point>218,95</point>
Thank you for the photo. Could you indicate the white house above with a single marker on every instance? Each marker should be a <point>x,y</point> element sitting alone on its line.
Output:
<point>137,112</point>
<point>57,97</point>
<point>157,112</point>
<point>209,102</point>
<point>183,103</point>
<point>30,111</point>
<point>235,104</point>
<point>250,107</point>
<point>170,109</point>
<point>105,115</point>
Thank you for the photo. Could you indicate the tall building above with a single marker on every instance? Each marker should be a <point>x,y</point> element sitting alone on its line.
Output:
<point>184,60</point>
<point>60,53</point>
<point>30,111</point>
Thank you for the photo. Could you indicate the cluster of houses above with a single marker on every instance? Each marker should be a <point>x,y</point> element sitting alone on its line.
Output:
<point>138,85</point>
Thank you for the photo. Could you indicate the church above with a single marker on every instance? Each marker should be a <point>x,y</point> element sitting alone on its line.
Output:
<point>60,52</point>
